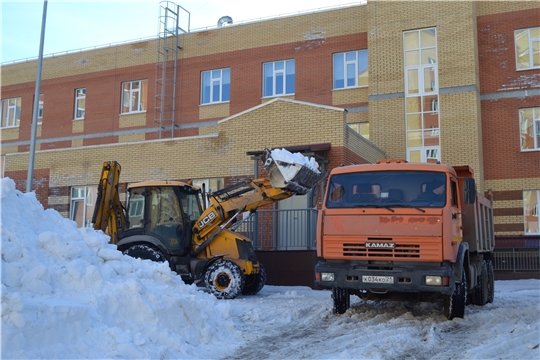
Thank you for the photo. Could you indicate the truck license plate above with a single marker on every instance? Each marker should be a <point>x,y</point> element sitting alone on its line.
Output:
<point>378,279</point>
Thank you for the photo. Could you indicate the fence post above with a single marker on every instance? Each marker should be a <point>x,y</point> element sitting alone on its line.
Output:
<point>514,258</point>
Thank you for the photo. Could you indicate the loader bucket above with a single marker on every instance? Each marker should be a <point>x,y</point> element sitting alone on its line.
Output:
<point>295,177</point>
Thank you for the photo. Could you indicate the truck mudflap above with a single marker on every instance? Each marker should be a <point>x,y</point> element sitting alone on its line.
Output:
<point>289,175</point>
<point>400,278</point>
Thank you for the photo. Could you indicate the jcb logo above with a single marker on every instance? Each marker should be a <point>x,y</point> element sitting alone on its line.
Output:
<point>207,219</point>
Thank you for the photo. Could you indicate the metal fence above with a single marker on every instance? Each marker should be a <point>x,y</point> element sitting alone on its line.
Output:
<point>516,259</point>
<point>295,229</point>
<point>290,229</point>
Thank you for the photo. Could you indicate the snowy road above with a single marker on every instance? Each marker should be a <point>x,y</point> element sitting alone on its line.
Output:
<point>297,323</point>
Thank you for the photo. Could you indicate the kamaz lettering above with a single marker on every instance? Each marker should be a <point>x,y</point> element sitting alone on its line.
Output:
<point>373,245</point>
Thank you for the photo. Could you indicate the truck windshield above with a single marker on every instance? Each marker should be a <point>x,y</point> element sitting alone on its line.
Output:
<point>387,189</point>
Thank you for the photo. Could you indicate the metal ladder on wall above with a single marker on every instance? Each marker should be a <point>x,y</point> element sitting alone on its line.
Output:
<point>168,49</point>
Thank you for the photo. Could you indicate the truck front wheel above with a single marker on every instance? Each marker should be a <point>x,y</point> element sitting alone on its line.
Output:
<point>341,299</point>
<point>224,279</point>
<point>454,305</point>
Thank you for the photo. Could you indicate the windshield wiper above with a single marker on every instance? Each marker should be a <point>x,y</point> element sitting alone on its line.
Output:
<point>374,206</point>
<point>409,206</point>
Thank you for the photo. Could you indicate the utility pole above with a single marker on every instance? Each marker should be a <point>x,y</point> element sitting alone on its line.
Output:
<point>32,153</point>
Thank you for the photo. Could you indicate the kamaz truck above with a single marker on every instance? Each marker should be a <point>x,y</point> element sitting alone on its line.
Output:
<point>406,231</point>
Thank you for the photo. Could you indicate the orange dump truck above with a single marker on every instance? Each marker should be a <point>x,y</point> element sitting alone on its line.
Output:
<point>406,231</point>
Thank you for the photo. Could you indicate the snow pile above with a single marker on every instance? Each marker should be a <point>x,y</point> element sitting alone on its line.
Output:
<point>295,158</point>
<point>67,293</point>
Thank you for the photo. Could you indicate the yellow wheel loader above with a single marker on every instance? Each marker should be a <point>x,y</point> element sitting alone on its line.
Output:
<point>166,221</point>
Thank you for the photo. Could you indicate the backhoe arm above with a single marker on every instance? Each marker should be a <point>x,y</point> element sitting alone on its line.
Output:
<point>109,212</point>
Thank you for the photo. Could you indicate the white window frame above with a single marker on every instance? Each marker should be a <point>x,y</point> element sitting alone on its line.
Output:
<point>11,108</point>
<point>217,79</point>
<point>275,74</point>
<point>86,199</point>
<point>80,96</point>
<point>427,152</point>
<point>535,129</point>
<point>534,212</point>
<point>40,108</point>
<point>354,62</point>
<point>133,92</point>
<point>531,41</point>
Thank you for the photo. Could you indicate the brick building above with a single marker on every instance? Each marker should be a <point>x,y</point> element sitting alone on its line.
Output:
<point>456,82</point>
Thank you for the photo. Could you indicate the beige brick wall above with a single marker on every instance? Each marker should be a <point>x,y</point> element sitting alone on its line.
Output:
<point>9,133</point>
<point>131,138</point>
<point>214,111</point>
<point>455,22</point>
<point>129,120</point>
<point>497,7</point>
<point>461,138</point>
<point>349,96</point>
<point>387,127</point>
<point>513,184</point>
<point>357,117</point>
<point>77,126</point>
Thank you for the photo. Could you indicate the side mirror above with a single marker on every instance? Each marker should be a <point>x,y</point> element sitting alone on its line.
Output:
<point>469,191</point>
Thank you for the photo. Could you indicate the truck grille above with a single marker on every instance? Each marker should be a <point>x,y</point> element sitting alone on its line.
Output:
<point>400,251</point>
<point>406,248</point>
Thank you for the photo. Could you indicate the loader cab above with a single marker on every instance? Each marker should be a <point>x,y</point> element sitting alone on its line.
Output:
<point>165,211</point>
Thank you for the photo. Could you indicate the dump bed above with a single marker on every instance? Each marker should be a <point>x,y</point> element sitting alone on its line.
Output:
<point>478,228</point>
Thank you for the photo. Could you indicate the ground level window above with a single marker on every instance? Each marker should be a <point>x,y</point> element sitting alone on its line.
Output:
<point>81,205</point>
<point>531,201</point>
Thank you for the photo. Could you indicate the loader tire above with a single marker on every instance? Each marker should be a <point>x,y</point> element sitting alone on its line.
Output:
<point>255,282</point>
<point>491,281</point>
<point>341,300</point>
<point>224,279</point>
<point>454,305</point>
<point>145,252</point>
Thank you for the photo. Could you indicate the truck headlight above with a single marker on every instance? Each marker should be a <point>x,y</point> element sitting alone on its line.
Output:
<point>433,280</point>
<point>327,276</point>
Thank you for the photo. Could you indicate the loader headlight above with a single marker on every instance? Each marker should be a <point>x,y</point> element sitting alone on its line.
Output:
<point>433,280</point>
<point>327,276</point>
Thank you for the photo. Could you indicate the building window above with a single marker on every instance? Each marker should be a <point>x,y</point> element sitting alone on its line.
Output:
<point>11,112</point>
<point>80,103</point>
<point>40,108</point>
<point>531,204</point>
<point>210,185</point>
<point>216,86</point>
<point>134,96</point>
<point>361,128</point>
<point>529,124</point>
<point>527,42</point>
<point>351,69</point>
<point>82,203</point>
<point>421,95</point>
<point>279,78</point>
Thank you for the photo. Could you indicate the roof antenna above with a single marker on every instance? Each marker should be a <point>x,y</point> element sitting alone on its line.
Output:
<point>224,20</point>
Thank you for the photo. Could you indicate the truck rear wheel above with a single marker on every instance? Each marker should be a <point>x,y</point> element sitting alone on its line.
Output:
<point>491,281</point>
<point>481,290</point>
<point>145,252</point>
<point>255,282</point>
<point>341,299</point>
<point>224,279</point>
<point>454,305</point>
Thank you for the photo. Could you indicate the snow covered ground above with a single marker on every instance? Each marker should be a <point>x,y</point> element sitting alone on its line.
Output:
<point>68,294</point>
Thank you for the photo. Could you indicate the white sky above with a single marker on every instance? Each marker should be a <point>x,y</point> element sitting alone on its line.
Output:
<point>68,294</point>
<point>76,24</point>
